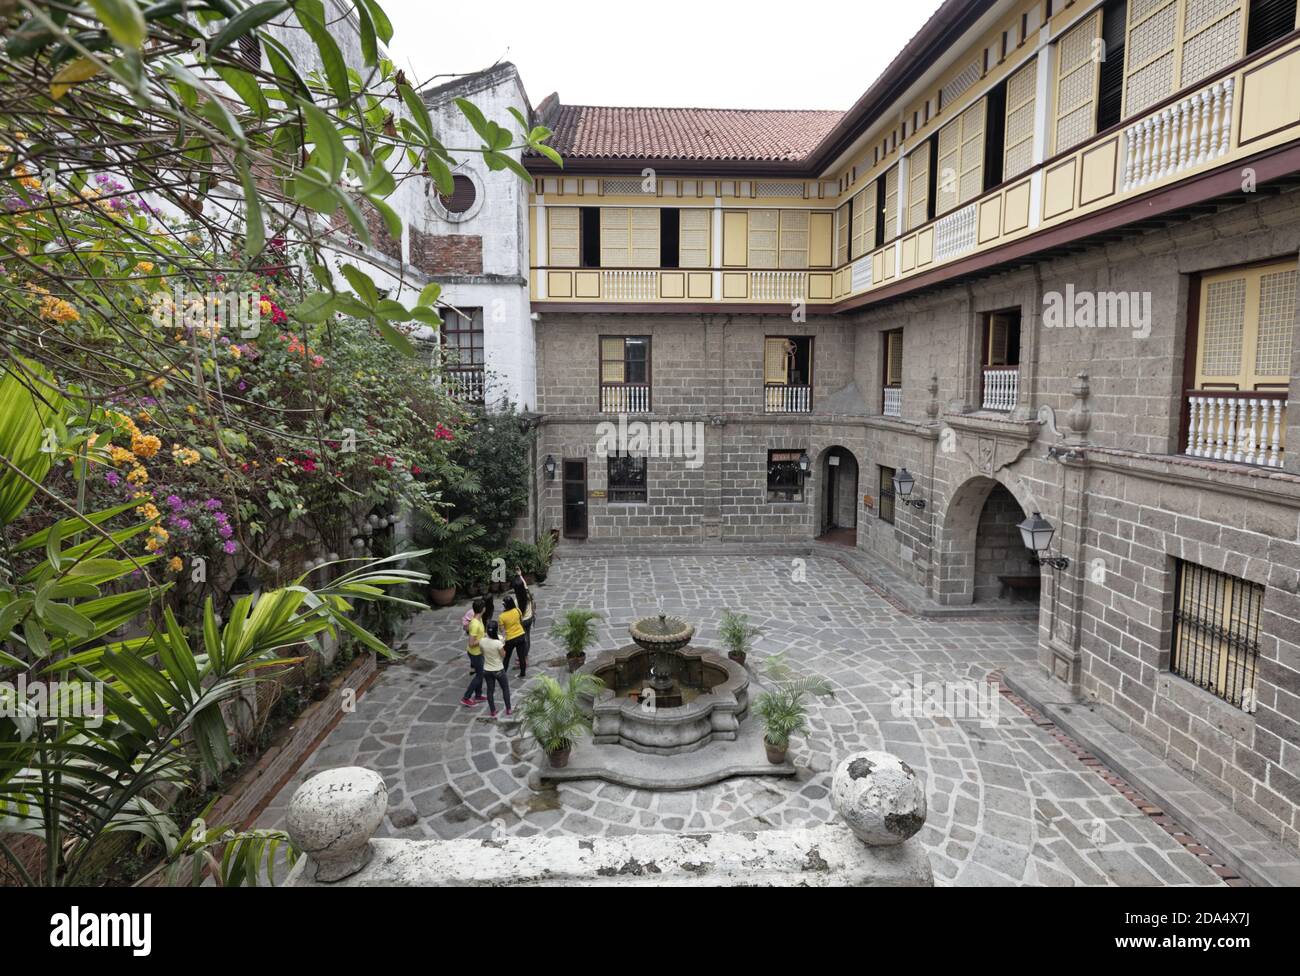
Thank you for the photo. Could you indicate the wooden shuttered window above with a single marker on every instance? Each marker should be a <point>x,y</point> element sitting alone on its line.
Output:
<point>918,186</point>
<point>1018,155</point>
<point>612,365</point>
<point>1172,44</point>
<point>863,231</point>
<point>776,362</point>
<point>764,238</point>
<point>894,358</point>
<point>889,212</point>
<point>1078,71</point>
<point>694,235</point>
<point>629,237</point>
<point>842,235</point>
<point>563,237</point>
<point>1244,334</point>
<point>794,239</point>
<point>1002,340</point>
<point>960,178</point>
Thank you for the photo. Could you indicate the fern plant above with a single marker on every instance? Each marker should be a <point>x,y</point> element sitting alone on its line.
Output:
<point>783,710</point>
<point>551,712</point>
<point>576,630</point>
<point>737,634</point>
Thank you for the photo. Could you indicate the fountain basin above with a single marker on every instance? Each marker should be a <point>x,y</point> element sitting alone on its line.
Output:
<point>713,691</point>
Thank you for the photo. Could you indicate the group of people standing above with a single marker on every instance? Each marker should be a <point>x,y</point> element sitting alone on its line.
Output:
<point>492,643</point>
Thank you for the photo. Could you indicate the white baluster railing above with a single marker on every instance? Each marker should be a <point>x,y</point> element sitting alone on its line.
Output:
<point>625,398</point>
<point>777,286</point>
<point>955,233</point>
<point>629,286</point>
<point>893,401</point>
<point>1244,428</point>
<point>1192,131</point>
<point>1001,388</point>
<point>467,383</point>
<point>782,398</point>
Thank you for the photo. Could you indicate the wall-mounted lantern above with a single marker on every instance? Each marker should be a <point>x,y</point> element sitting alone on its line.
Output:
<point>903,485</point>
<point>1037,534</point>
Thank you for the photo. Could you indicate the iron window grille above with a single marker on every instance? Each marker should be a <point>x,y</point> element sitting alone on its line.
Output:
<point>886,507</point>
<point>1215,642</point>
<point>627,478</point>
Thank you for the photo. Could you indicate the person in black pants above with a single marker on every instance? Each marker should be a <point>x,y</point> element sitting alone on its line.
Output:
<point>524,601</point>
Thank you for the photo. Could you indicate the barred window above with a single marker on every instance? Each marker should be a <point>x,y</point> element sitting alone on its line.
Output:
<point>784,480</point>
<point>627,478</point>
<point>1216,633</point>
<point>886,507</point>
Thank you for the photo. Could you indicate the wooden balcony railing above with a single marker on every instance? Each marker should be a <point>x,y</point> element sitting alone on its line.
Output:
<point>629,286</point>
<point>1243,427</point>
<point>893,403</point>
<point>1179,137</point>
<point>625,398</point>
<point>783,398</point>
<point>1001,388</point>
<point>777,286</point>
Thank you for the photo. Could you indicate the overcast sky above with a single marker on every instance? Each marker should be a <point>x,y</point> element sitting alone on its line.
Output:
<point>700,53</point>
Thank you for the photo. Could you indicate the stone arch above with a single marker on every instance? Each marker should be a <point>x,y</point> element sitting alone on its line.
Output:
<point>837,473</point>
<point>978,540</point>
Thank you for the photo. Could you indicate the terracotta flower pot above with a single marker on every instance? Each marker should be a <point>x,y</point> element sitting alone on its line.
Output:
<point>775,754</point>
<point>442,597</point>
<point>737,656</point>
<point>559,758</point>
<point>576,661</point>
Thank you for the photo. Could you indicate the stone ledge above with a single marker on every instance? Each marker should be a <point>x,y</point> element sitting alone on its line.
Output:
<point>722,759</point>
<point>817,857</point>
<point>1243,846</point>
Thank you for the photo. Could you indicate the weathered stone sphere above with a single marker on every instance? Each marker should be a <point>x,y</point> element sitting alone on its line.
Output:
<point>332,817</point>
<point>879,796</point>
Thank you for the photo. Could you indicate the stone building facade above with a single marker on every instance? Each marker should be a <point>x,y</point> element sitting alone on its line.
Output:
<point>1064,367</point>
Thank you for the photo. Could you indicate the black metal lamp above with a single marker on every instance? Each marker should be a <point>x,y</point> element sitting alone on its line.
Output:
<point>903,485</point>
<point>1037,534</point>
<point>804,464</point>
<point>549,465</point>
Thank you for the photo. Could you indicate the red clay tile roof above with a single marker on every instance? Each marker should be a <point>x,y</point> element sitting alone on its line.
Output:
<point>758,135</point>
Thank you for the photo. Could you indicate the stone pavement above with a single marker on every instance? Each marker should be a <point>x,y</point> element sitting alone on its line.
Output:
<point>1008,803</point>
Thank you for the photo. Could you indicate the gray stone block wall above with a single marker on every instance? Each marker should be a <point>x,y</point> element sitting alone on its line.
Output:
<point>1124,514</point>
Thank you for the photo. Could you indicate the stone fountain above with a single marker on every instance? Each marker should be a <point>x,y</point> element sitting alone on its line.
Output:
<point>663,696</point>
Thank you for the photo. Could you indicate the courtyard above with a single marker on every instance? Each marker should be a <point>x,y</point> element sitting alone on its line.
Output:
<point>1008,802</point>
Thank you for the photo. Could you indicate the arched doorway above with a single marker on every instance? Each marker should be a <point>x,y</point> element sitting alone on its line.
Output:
<point>982,558</point>
<point>837,501</point>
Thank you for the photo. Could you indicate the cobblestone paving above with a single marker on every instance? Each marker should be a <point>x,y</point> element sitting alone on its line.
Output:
<point>1007,803</point>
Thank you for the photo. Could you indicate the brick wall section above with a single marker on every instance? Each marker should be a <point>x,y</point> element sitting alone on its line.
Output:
<point>437,254</point>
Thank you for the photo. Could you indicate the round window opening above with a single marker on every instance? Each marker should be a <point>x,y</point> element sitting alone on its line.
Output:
<point>462,196</point>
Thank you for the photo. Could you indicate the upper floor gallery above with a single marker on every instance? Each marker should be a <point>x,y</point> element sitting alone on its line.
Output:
<point>1004,129</point>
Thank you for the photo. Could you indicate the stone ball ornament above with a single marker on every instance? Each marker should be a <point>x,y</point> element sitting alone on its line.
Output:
<point>332,817</point>
<point>879,796</point>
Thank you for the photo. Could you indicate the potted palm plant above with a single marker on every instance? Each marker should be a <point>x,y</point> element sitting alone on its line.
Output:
<point>738,634</point>
<point>550,712</point>
<point>543,553</point>
<point>576,630</point>
<point>442,579</point>
<point>783,709</point>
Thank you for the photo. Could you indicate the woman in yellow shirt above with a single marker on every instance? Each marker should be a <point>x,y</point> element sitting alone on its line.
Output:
<point>511,624</point>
